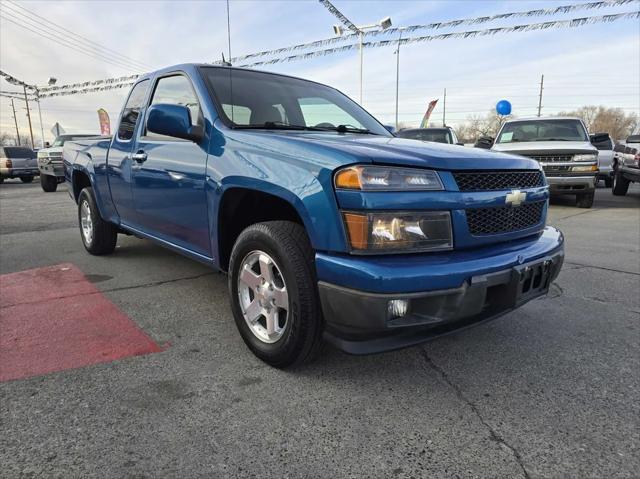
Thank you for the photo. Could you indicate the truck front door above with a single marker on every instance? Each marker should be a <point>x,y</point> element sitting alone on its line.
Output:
<point>169,175</point>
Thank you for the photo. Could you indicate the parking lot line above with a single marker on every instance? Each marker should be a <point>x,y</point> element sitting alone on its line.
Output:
<point>53,318</point>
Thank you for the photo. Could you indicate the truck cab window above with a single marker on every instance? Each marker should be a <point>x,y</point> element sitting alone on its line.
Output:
<point>131,111</point>
<point>175,90</point>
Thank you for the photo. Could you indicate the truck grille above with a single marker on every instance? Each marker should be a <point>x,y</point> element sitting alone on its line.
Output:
<point>550,158</point>
<point>504,219</point>
<point>497,180</point>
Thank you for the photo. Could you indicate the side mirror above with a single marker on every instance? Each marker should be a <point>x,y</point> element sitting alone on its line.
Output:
<point>485,142</point>
<point>391,129</point>
<point>172,120</point>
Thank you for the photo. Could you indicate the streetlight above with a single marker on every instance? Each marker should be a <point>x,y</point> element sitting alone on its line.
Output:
<point>360,30</point>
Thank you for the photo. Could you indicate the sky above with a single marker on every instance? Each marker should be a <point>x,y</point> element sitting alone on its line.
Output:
<point>588,65</point>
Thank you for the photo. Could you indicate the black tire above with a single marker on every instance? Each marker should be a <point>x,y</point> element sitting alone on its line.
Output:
<point>608,182</point>
<point>26,179</point>
<point>49,183</point>
<point>620,184</point>
<point>585,200</point>
<point>287,243</point>
<point>104,235</point>
<point>1,179</point>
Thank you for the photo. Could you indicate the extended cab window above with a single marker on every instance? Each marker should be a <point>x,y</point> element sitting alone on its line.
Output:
<point>175,90</point>
<point>131,111</point>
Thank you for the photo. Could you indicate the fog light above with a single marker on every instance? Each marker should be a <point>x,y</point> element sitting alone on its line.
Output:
<point>396,308</point>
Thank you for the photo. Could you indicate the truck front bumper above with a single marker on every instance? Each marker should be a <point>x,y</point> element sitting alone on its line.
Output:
<point>480,286</point>
<point>571,184</point>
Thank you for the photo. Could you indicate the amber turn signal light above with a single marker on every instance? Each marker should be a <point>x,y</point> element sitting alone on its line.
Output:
<point>358,229</point>
<point>349,178</point>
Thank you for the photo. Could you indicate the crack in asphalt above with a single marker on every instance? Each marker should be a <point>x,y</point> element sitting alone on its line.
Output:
<point>122,288</point>
<point>602,268</point>
<point>493,434</point>
<point>592,210</point>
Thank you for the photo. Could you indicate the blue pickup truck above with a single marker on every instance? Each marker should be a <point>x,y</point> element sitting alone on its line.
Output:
<point>327,225</point>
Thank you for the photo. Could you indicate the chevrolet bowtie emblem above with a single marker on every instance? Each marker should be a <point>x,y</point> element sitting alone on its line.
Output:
<point>515,198</point>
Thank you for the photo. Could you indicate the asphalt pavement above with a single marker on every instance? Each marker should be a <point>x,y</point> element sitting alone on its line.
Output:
<point>551,390</point>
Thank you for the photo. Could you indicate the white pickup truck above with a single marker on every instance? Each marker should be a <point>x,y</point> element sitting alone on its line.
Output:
<point>563,148</point>
<point>626,165</point>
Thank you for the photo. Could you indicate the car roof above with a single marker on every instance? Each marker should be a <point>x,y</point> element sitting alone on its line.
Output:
<point>539,118</point>
<point>189,66</point>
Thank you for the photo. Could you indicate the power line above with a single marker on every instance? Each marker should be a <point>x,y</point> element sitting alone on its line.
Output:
<point>66,43</point>
<point>13,6</point>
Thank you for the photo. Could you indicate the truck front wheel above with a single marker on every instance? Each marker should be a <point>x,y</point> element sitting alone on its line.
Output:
<point>99,237</point>
<point>272,284</point>
<point>49,183</point>
<point>620,184</point>
<point>585,200</point>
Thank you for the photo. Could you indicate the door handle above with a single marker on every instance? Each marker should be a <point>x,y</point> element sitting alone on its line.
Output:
<point>139,157</point>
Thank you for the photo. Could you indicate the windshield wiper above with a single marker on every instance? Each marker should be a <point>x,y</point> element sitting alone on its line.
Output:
<point>552,139</point>
<point>272,125</point>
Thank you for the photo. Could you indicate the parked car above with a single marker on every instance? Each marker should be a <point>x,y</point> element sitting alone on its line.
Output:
<point>562,147</point>
<point>437,135</point>
<point>604,145</point>
<point>326,224</point>
<point>626,165</point>
<point>18,162</point>
<point>50,162</point>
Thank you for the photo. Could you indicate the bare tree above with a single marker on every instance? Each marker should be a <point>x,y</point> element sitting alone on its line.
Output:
<point>600,119</point>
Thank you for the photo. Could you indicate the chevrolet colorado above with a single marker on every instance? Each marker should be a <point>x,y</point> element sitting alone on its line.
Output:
<point>326,224</point>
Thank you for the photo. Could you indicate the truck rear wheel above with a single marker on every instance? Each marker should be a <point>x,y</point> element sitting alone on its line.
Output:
<point>99,237</point>
<point>620,184</point>
<point>272,284</point>
<point>49,183</point>
<point>585,200</point>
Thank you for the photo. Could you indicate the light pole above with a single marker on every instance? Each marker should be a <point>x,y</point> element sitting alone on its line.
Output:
<point>360,30</point>
<point>50,82</point>
<point>398,77</point>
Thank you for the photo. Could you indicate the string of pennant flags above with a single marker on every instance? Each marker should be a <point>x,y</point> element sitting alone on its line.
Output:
<point>576,22</point>
<point>126,81</point>
<point>431,26</point>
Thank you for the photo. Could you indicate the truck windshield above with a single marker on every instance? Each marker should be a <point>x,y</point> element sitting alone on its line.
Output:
<point>251,99</point>
<point>543,130</point>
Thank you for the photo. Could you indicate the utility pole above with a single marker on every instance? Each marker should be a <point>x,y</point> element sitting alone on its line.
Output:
<point>33,145</point>
<point>444,109</point>
<point>15,119</point>
<point>540,98</point>
<point>398,77</point>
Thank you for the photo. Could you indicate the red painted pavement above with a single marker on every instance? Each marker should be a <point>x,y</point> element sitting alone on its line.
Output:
<point>53,318</point>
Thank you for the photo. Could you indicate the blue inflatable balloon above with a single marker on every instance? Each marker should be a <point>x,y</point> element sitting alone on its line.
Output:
<point>503,107</point>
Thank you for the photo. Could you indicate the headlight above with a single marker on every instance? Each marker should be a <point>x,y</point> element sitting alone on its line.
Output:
<point>589,157</point>
<point>395,232</point>
<point>383,178</point>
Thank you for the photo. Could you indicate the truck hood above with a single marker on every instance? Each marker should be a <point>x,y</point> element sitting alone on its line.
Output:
<point>523,147</point>
<point>51,149</point>
<point>355,148</point>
